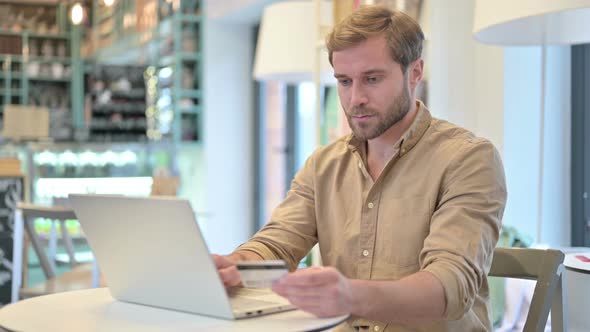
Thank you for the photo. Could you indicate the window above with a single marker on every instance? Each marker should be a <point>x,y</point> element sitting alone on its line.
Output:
<point>581,145</point>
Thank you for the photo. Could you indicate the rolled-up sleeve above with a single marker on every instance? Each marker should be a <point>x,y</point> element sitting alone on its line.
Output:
<point>291,232</point>
<point>465,226</point>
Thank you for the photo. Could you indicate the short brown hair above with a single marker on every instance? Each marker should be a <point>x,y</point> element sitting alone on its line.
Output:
<point>403,34</point>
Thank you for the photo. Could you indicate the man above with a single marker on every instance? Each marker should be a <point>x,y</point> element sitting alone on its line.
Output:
<point>406,210</point>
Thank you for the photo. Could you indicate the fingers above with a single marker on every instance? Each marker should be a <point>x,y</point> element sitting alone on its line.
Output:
<point>221,261</point>
<point>322,291</point>
<point>230,276</point>
<point>307,300</point>
<point>303,297</point>
<point>227,271</point>
<point>306,286</point>
<point>317,304</point>
<point>313,276</point>
<point>289,290</point>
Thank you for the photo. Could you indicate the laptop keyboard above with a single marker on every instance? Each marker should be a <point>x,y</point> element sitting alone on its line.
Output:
<point>254,298</point>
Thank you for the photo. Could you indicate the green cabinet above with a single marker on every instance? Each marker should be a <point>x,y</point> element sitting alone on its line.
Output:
<point>40,63</point>
<point>179,77</point>
<point>165,37</point>
<point>115,103</point>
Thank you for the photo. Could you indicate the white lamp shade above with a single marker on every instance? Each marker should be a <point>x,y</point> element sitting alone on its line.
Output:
<point>532,22</point>
<point>287,43</point>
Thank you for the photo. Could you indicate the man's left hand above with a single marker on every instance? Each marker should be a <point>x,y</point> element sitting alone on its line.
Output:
<point>322,291</point>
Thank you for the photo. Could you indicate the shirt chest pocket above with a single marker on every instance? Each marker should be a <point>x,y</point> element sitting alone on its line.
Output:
<point>402,226</point>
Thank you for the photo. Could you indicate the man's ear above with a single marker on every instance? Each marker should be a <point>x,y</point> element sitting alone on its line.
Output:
<point>415,71</point>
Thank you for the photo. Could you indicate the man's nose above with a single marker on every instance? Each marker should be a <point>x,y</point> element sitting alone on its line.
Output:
<point>358,96</point>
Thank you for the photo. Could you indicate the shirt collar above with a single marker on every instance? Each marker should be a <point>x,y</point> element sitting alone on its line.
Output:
<point>408,140</point>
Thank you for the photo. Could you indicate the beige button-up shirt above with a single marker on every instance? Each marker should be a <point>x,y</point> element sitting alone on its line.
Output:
<point>437,207</point>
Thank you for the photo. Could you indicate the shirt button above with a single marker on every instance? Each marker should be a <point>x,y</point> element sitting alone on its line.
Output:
<point>365,253</point>
<point>403,150</point>
<point>376,328</point>
<point>360,165</point>
<point>370,205</point>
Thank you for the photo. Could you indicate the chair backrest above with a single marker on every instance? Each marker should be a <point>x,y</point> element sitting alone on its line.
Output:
<point>545,266</point>
<point>30,212</point>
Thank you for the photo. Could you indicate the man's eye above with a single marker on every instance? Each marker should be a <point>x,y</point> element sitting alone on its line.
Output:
<point>372,79</point>
<point>344,82</point>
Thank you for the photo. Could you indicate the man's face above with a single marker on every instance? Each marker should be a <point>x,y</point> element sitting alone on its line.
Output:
<point>373,89</point>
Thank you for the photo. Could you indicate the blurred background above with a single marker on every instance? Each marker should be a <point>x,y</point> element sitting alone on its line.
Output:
<point>221,102</point>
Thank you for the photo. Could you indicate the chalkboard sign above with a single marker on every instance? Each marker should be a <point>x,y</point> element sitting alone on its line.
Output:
<point>11,192</point>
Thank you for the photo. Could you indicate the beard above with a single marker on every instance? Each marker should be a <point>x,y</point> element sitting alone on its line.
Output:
<point>381,122</point>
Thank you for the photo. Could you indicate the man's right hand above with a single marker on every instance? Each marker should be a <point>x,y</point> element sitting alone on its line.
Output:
<point>226,267</point>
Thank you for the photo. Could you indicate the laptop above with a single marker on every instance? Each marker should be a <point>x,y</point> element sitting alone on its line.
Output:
<point>151,252</point>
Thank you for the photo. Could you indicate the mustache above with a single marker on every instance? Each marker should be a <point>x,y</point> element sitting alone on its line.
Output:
<point>360,111</point>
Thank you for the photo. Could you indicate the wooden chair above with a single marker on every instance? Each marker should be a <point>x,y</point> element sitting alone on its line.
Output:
<point>79,277</point>
<point>545,266</point>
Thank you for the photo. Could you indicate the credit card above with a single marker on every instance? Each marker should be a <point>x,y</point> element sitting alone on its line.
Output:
<point>261,274</point>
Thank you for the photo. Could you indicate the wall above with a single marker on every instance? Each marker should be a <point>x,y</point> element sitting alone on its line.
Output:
<point>522,110</point>
<point>465,77</point>
<point>237,11</point>
<point>495,92</point>
<point>275,146</point>
<point>228,136</point>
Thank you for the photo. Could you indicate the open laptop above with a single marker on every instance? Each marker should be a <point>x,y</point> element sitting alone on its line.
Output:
<point>151,252</point>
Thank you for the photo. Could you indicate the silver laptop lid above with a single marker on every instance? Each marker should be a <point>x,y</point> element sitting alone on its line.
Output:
<point>151,251</point>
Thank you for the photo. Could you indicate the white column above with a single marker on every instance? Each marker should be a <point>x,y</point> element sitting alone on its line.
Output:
<point>228,136</point>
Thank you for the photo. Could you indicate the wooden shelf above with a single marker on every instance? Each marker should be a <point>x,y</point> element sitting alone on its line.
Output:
<point>49,35</point>
<point>170,60</point>
<point>126,108</point>
<point>124,117</point>
<point>132,94</point>
<point>43,59</point>
<point>189,56</point>
<point>10,33</point>
<point>196,94</point>
<point>33,34</point>
<point>12,75</point>
<point>12,57</point>
<point>20,76</point>
<point>49,79</point>
<point>13,92</point>
<point>161,45</point>
<point>166,61</point>
<point>196,109</point>
<point>29,89</point>
<point>190,18</point>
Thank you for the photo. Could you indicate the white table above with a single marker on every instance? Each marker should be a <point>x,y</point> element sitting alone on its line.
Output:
<point>577,286</point>
<point>96,310</point>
